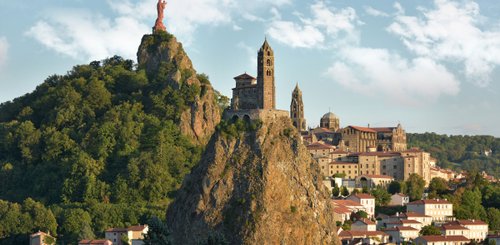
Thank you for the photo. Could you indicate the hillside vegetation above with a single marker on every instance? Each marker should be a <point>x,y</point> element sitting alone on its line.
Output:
<point>461,152</point>
<point>99,147</point>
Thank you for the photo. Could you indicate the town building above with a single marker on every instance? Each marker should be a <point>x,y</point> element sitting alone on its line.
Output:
<point>477,230</point>
<point>440,210</point>
<point>134,234</point>
<point>364,225</point>
<point>367,200</point>
<point>341,213</point>
<point>441,240</point>
<point>42,238</point>
<point>349,204</point>
<point>399,199</point>
<point>373,180</point>
<point>363,237</point>
<point>400,234</point>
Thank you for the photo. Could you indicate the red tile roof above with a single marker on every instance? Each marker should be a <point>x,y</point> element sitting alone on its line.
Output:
<point>366,221</point>
<point>364,129</point>
<point>244,76</point>
<point>341,209</point>
<point>406,228</point>
<point>401,195</point>
<point>384,130</point>
<point>351,234</point>
<point>363,196</point>
<point>453,227</point>
<point>409,221</point>
<point>444,238</point>
<point>467,222</point>
<point>429,201</point>
<point>347,203</point>
<point>318,145</point>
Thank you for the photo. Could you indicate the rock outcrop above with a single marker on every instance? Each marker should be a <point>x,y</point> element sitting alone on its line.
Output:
<point>164,58</point>
<point>261,187</point>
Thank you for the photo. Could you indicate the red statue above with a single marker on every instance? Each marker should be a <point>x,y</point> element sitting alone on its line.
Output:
<point>159,26</point>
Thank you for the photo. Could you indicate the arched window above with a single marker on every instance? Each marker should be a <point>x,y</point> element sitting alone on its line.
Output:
<point>268,62</point>
<point>269,53</point>
<point>269,73</point>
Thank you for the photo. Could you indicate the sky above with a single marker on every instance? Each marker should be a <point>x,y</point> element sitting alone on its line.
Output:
<point>433,66</point>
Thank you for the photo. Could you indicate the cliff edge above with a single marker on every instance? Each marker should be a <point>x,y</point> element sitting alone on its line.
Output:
<point>256,184</point>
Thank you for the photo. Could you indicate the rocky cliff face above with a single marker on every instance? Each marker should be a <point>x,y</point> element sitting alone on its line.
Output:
<point>164,58</point>
<point>261,187</point>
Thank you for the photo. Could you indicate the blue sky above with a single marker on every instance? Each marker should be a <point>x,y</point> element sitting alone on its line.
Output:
<point>433,66</point>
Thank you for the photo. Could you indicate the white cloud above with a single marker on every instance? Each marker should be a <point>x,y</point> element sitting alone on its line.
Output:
<point>375,12</point>
<point>452,32</point>
<point>87,36</point>
<point>325,24</point>
<point>4,46</point>
<point>399,9</point>
<point>379,73</point>
<point>296,35</point>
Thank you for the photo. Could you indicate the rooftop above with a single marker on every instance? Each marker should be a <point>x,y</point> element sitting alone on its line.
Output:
<point>366,221</point>
<point>429,201</point>
<point>445,238</point>
<point>347,203</point>
<point>131,228</point>
<point>363,196</point>
<point>377,176</point>
<point>244,76</point>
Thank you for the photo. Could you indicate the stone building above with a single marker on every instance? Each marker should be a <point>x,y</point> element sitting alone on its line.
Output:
<point>254,98</point>
<point>330,121</point>
<point>391,138</point>
<point>358,139</point>
<point>297,110</point>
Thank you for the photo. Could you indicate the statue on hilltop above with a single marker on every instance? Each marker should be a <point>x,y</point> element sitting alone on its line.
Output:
<point>160,7</point>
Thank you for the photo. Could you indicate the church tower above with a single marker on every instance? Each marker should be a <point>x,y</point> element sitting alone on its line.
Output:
<point>265,77</point>
<point>297,110</point>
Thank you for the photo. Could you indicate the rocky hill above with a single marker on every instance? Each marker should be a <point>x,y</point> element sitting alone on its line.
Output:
<point>254,185</point>
<point>162,56</point>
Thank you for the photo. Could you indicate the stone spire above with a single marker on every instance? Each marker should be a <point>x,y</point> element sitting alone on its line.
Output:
<point>297,109</point>
<point>160,8</point>
<point>265,77</point>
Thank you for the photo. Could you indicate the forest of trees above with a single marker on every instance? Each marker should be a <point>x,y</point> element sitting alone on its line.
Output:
<point>96,148</point>
<point>461,152</point>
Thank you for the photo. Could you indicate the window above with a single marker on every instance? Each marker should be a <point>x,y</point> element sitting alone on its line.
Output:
<point>395,167</point>
<point>268,62</point>
<point>383,167</point>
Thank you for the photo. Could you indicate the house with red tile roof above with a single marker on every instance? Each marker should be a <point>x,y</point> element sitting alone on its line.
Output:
<point>401,234</point>
<point>439,209</point>
<point>133,233</point>
<point>367,200</point>
<point>41,238</point>
<point>477,229</point>
<point>441,240</point>
<point>399,199</point>
<point>364,225</point>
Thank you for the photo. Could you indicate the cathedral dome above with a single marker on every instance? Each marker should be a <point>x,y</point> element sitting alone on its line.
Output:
<point>329,115</point>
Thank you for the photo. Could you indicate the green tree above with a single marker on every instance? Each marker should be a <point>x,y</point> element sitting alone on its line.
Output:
<point>429,230</point>
<point>415,186</point>
<point>76,225</point>
<point>382,197</point>
<point>395,187</point>
<point>158,233</point>
<point>471,207</point>
<point>494,219</point>
<point>335,191</point>
<point>362,214</point>
<point>344,191</point>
